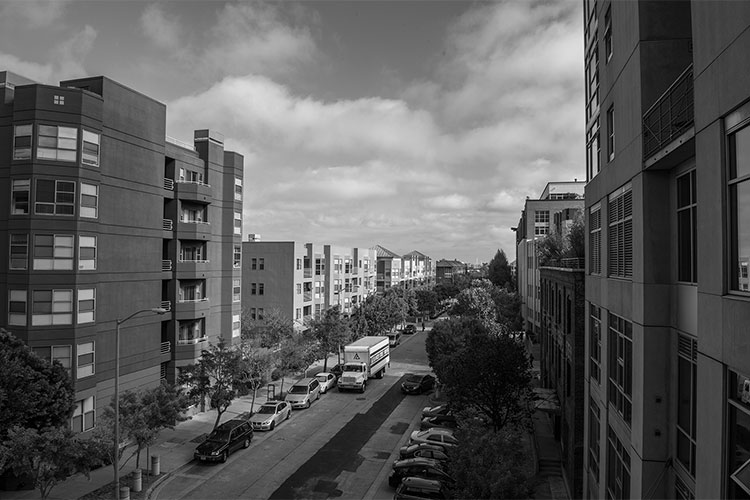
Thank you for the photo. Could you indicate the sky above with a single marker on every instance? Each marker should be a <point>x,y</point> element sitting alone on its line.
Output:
<point>416,125</point>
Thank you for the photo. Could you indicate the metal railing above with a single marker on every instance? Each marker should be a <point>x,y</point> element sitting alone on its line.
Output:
<point>307,273</point>
<point>166,304</point>
<point>167,224</point>
<point>670,116</point>
<point>567,263</point>
<point>192,340</point>
<point>166,347</point>
<point>195,261</point>
<point>180,143</point>
<point>168,184</point>
<point>185,181</point>
<point>166,265</point>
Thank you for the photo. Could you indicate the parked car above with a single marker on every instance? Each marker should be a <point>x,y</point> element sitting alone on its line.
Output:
<point>226,438</point>
<point>433,454</point>
<point>303,392</point>
<point>419,488</point>
<point>408,451</point>
<point>417,467</point>
<point>417,384</point>
<point>394,339</point>
<point>433,411</point>
<point>410,329</point>
<point>442,437</point>
<point>327,381</point>
<point>337,370</point>
<point>270,415</point>
<point>446,421</point>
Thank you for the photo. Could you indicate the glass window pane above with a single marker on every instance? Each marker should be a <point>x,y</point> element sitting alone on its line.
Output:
<point>742,223</point>
<point>741,157</point>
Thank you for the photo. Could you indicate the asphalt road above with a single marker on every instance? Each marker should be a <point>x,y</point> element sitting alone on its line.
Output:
<point>338,448</point>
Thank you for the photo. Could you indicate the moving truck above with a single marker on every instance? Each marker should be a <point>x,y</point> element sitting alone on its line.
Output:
<point>363,359</point>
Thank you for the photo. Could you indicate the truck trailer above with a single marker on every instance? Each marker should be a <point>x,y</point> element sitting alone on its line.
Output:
<point>364,359</point>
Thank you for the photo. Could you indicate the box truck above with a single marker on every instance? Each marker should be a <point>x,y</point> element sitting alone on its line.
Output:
<point>363,359</point>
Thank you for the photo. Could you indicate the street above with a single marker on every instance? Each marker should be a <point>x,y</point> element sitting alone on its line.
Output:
<point>338,447</point>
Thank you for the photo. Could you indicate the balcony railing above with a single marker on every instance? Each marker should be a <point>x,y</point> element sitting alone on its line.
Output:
<point>670,116</point>
<point>166,265</point>
<point>307,273</point>
<point>567,263</point>
<point>166,304</point>
<point>191,341</point>
<point>180,143</point>
<point>185,301</point>
<point>195,261</point>
<point>194,221</point>
<point>166,347</point>
<point>307,297</point>
<point>169,184</point>
<point>199,183</point>
<point>167,224</point>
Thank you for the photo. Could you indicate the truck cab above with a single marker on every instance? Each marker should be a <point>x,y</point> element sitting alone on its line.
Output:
<point>365,358</point>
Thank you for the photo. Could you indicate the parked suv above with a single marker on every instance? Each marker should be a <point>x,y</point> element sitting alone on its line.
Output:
<point>226,438</point>
<point>418,488</point>
<point>303,392</point>
<point>426,468</point>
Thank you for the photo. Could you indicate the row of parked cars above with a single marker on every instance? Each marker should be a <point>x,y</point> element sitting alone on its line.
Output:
<point>419,473</point>
<point>237,433</point>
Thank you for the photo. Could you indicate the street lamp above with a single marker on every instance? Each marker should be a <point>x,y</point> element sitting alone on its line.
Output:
<point>118,322</point>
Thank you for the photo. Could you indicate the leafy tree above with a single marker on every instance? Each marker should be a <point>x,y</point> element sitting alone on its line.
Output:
<point>330,331</point>
<point>493,465</point>
<point>446,291</point>
<point>162,408</point>
<point>49,455</point>
<point>475,302</point>
<point>257,364</point>
<point>491,374</point>
<point>499,271</point>
<point>577,237</point>
<point>427,301</point>
<point>442,342</point>
<point>550,248</point>
<point>296,354</point>
<point>358,326</point>
<point>268,332</point>
<point>34,393</point>
<point>215,376</point>
<point>508,306</point>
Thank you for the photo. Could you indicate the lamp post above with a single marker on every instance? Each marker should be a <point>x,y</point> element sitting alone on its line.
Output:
<point>116,457</point>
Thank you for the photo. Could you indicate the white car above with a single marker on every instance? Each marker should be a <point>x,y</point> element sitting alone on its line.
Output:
<point>441,437</point>
<point>327,381</point>
<point>271,414</point>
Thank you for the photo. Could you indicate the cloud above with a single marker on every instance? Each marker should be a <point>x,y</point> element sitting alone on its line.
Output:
<point>162,29</point>
<point>34,13</point>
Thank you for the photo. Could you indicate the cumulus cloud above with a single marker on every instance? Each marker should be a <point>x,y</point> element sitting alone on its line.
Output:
<point>165,31</point>
<point>34,13</point>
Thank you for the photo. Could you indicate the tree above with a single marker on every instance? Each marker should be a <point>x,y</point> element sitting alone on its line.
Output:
<point>49,456</point>
<point>499,272</point>
<point>490,374</point>
<point>215,376</point>
<point>256,363</point>
<point>268,332</point>
<point>162,408</point>
<point>550,248</point>
<point>34,393</point>
<point>508,305</point>
<point>442,342</point>
<point>577,237</point>
<point>475,302</point>
<point>330,331</point>
<point>493,465</point>
<point>295,354</point>
<point>427,301</point>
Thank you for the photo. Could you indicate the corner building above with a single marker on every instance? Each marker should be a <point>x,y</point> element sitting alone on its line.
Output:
<point>104,217</point>
<point>668,379</point>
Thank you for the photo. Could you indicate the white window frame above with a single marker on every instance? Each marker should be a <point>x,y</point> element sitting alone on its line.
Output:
<point>237,189</point>
<point>238,223</point>
<point>89,191</point>
<point>65,143</point>
<point>236,326</point>
<point>84,369</point>
<point>236,289</point>
<point>19,131</point>
<point>16,318</point>
<point>84,241</point>
<point>18,244</point>
<point>84,407</point>
<point>19,186</point>
<point>63,249</point>
<point>86,315</point>
<point>91,139</point>
<point>61,309</point>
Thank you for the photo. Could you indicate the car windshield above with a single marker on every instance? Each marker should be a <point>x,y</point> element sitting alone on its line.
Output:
<point>352,368</point>
<point>414,378</point>
<point>219,435</point>
<point>267,410</point>
<point>298,389</point>
<point>322,378</point>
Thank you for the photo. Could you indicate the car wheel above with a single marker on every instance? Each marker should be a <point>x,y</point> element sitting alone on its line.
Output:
<point>224,457</point>
<point>364,386</point>
<point>307,404</point>
<point>273,424</point>
<point>289,414</point>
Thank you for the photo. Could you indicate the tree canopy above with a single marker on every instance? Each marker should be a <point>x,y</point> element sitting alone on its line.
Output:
<point>499,271</point>
<point>330,331</point>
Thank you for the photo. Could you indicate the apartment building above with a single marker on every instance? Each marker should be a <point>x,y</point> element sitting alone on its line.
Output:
<point>537,218</point>
<point>668,380</point>
<point>105,218</point>
<point>446,271</point>
<point>300,280</point>
<point>416,269</point>
<point>389,269</point>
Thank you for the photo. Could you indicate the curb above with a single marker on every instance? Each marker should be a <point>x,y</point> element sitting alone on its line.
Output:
<point>153,490</point>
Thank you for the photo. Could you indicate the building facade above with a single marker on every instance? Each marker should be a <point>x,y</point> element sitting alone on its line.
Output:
<point>301,280</point>
<point>447,271</point>
<point>389,267</point>
<point>416,269</point>
<point>105,217</point>
<point>537,221</point>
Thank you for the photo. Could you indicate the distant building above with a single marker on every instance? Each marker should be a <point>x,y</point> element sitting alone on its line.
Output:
<point>446,271</point>
<point>104,217</point>
<point>537,220</point>
<point>389,269</point>
<point>416,269</point>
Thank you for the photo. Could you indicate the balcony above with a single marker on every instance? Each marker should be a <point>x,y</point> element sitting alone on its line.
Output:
<point>194,230</point>
<point>190,348</point>
<point>669,122</point>
<point>166,347</point>
<point>189,268</point>
<point>307,297</point>
<point>166,265</point>
<point>307,273</point>
<point>166,305</point>
<point>194,191</point>
<point>191,309</point>
<point>168,184</point>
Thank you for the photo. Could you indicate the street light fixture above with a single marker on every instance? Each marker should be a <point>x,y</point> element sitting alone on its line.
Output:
<point>116,457</point>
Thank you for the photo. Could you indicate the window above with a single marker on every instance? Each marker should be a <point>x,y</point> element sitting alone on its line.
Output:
<point>299,264</point>
<point>620,347</point>
<point>236,288</point>
<point>261,313</point>
<point>19,251</point>
<point>594,426</point>
<point>192,291</point>
<point>193,213</point>
<point>687,378</point>
<point>593,150</point>
<point>595,343</point>
<point>22,142</point>
<point>592,81</point>
<point>55,197</point>
<point>85,360</point>
<point>298,313</point>
<point>608,33</point>
<point>237,189</point>
<point>238,223</point>
<point>541,222</point>
<point>191,331</point>
<point>253,289</point>
<point>236,326</point>
<point>60,353</point>
<point>52,307</point>
<point>57,143</point>
<point>20,197</point>
<point>299,288</point>
<point>320,267</point>
<point>237,258</point>
<point>261,264</point>
<point>53,252</point>
<point>347,266</point>
<point>682,492</point>
<point>17,307</point>
<point>89,200</point>
<point>620,244</point>
<point>595,240</point>
<point>739,199</point>
<point>260,288</point>
<point>687,228</point>
<point>90,149</point>
<point>738,482</point>
<point>84,415</point>
<point>193,251</point>
<point>86,305</point>
<point>253,313</point>
<point>86,253</point>
<point>58,100</point>
<point>618,468</point>
<point>611,133</point>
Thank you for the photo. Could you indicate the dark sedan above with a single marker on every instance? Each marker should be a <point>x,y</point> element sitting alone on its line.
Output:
<point>417,384</point>
<point>225,439</point>
<point>410,450</point>
<point>410,329</point>
<point>447,421</point>
<point>432,411</point>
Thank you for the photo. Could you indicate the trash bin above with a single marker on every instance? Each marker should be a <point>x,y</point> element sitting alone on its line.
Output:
<point>137,480</point>
<point>124,493</point>
<point>155,465</point>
